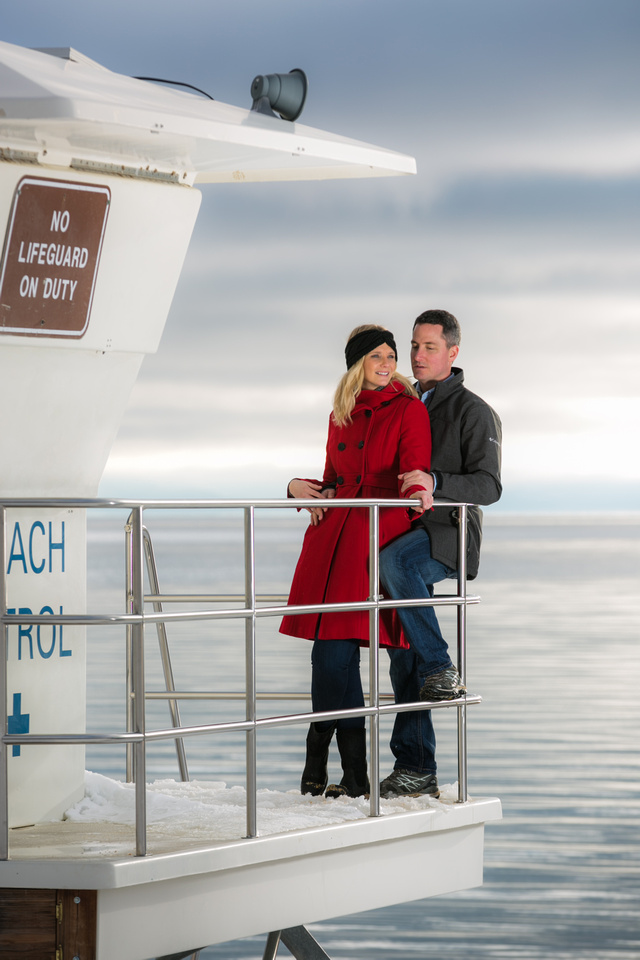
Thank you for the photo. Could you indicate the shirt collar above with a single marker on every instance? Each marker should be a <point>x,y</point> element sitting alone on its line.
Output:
<point>427,394</point>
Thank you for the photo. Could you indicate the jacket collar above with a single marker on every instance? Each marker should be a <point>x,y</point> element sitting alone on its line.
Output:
<point>371,399</point>
<point>445,387</point>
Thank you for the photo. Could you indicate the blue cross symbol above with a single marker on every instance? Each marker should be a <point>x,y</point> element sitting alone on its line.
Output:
<point>18,723</point>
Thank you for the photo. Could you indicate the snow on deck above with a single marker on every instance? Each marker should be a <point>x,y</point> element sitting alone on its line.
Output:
<point>189,815</point>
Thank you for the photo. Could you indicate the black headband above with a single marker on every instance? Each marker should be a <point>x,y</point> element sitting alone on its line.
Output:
<point>366,341</point>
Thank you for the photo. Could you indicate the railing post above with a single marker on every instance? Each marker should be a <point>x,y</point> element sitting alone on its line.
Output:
<point>374,659</point>
<point>128,563</point>
<point>250,668</point>
<point>137,679</point>
<point>462,649</point>
<point>4,750</point>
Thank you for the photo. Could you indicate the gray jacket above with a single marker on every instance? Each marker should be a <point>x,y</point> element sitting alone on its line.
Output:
<point>466,439</point>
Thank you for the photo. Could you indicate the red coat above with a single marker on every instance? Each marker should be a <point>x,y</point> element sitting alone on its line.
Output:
<point>389,434</point>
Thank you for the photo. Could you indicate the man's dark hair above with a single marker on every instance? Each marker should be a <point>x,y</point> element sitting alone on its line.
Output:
<point>450,326</point>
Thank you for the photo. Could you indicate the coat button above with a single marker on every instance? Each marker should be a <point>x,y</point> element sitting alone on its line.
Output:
<point>342,446</point>
<point>361,445</point>
<point>368,413</point>
<point>358,478</point>
<point>340,480</point>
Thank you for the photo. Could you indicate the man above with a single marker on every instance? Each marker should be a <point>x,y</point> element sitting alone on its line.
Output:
<point>465,468</point>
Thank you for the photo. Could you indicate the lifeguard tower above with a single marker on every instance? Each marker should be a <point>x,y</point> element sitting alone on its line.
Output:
<point>99,193</point>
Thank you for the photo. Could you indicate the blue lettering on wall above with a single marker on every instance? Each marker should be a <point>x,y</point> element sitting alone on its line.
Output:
<point>24,630</point>
<point>36,526</point>
<point>63,652</point>
<point>13,555</point>
<point>45,654</point>
<point>56,546</point>
<point>18,723</point>
<point>45,645</point>
<point>38,550</point>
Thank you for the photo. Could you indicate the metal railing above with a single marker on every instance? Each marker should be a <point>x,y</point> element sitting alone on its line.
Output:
<point>136,738</point>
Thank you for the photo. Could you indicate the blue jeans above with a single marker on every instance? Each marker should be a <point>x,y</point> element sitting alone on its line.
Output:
<point>407,570</point>
<point>335,681</point>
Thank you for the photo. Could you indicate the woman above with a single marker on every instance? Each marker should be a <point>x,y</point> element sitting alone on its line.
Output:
<point>377,430</point>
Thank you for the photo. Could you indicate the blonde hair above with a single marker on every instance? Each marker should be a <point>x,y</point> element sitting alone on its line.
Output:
<point>351,383</point>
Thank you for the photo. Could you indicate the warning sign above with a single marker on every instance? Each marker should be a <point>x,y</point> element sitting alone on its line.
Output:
<point>51,256</point>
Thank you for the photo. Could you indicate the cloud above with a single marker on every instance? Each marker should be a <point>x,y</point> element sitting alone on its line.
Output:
<point>522,221</point>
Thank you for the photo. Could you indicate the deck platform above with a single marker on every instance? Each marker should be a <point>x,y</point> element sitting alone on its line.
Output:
<point>186,895</point>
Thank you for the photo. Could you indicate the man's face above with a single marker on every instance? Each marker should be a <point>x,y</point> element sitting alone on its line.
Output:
<point>431,358</point>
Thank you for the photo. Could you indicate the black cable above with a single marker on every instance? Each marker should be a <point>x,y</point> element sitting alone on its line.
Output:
<point>176,83</point>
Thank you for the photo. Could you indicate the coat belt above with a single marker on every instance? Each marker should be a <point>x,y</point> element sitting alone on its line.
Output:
<point>386,481</point>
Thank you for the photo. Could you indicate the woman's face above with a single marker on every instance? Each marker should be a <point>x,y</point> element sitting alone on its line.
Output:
<point>379,365</point>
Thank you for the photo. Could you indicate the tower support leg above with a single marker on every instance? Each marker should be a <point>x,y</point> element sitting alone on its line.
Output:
<point>298,942</point>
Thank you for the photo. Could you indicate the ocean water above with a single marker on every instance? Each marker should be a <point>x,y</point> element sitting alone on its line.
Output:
<point>554,650</point>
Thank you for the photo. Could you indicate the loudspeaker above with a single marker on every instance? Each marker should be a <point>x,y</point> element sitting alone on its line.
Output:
<point>283,92</point>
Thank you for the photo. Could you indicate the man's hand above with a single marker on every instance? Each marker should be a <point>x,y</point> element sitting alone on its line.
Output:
<point>424,501</point>
<point>416,478</point>
<point>303,490</point>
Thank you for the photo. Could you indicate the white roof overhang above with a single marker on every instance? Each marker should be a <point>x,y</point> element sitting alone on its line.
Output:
<point>62,109</point>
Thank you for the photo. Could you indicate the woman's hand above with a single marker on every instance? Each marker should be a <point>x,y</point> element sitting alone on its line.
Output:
<point>317,513</point>
<point>305,490</point>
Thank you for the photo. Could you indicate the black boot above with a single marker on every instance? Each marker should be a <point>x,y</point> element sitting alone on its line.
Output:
<point>314,775</point>
<point>352,744</point>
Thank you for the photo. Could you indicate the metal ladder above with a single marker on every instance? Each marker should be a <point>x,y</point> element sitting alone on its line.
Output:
<point>298,941</point>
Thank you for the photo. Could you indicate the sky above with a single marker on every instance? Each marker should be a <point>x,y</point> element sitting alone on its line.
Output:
<point>522,221</point>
